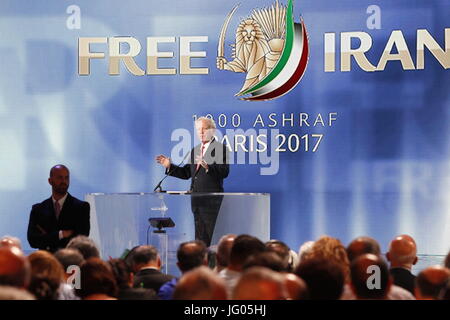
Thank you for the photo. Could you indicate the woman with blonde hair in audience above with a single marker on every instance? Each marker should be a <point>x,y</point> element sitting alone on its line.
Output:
<point>332,249</point>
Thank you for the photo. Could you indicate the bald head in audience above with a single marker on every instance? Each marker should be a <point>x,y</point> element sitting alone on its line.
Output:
<point>402,252</point>
<point>370,277</point>
<point>200,284</point>
<point>296,288</point>
<point>223,251</point>
<point>431,281</point>
<point>259,283</point>
<point>408,237</point>
<point>362,245</point>
<point>10,241</point>
<point>14,267</point>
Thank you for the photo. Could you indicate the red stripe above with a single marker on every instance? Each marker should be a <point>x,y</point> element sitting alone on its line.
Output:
<point>292,82</point>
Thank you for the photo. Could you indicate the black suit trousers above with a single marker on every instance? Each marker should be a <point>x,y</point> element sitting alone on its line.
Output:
<point>205,209</point>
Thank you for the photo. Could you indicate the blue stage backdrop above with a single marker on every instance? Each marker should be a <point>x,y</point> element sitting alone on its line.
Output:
<point>359,146</point>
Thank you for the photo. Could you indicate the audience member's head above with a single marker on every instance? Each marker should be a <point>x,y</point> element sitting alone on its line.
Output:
<point>224,250</point>
<point>124,279</point>
<point>85,245</point>
<point>144,257</point>
<point>408,237</point>
<point>331,249</point>
<point>47,275</point>
<point>259,283</point>
<point>402,252</point>
<point>324,278</point>
<point>447,261</point>
<point>370,277</point>
<point>243,247</point>
<point>269,260</point>
<point>430,282</point>
<point>122,274</point>
<point>14,293</point>
<point>10,241</point>
<point>191,255</point>
<point>67,258</point>
<point>362,245</point>
<point>325,266</point>
<point>305,250</point>
<point>200,284</point>
<point>14,267</point>
<point>282,250</point>
<point>296,288</point>
<point>97,281</point>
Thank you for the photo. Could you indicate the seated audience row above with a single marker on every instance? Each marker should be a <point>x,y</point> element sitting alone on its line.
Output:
<point>241,267</point>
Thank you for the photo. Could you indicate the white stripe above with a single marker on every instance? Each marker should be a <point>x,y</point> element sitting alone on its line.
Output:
<point>290,67</point>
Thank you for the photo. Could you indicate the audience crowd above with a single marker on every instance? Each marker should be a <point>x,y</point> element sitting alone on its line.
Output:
<point>240,267</point>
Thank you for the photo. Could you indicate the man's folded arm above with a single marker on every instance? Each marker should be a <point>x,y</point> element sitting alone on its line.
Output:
<point>38,237</point>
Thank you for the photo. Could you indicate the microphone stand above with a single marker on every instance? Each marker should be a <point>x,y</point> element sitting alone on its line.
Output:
<point>158,187</point>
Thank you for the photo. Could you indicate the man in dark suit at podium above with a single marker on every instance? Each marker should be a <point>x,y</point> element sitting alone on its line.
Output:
<point>58,219</point>
<point>207,168</point>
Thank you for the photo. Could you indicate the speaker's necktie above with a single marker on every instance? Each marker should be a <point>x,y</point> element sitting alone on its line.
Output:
<point>201,156</point>
<point>57,209</point>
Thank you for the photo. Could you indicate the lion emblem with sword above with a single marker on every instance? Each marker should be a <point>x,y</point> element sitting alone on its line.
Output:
<point>258,44</point>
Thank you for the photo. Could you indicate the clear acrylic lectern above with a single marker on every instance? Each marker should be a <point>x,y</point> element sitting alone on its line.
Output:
<point>120,221</point>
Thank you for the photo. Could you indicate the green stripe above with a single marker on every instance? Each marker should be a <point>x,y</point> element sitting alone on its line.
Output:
<point>285,55</point>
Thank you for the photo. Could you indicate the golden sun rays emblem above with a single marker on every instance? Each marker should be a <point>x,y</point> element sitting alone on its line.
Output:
<point>270,48</point>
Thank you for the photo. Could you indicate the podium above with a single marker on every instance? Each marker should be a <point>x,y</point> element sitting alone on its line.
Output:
<point>120,221</point>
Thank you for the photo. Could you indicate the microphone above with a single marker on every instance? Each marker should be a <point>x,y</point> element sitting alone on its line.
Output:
<point>158,186</point>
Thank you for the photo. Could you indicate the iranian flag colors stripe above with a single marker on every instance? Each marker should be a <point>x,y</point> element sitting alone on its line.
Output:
<point>292,72</point>
<point>284,56</point>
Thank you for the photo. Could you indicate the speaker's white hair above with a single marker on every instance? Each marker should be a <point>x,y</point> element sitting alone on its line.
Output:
<point>211,122</point>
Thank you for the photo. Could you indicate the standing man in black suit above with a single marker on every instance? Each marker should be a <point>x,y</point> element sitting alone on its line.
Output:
<point>402,256</point>
<point>61,217</point>
<point>207,168</point>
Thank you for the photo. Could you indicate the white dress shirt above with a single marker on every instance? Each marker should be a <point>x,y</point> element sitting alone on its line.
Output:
<point>205,147</point>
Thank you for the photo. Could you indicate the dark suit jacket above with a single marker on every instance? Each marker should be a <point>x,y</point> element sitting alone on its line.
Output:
<point>43,228</point>
<point>403,278</point>
<point>151,279</point>
<point>216,156</point>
